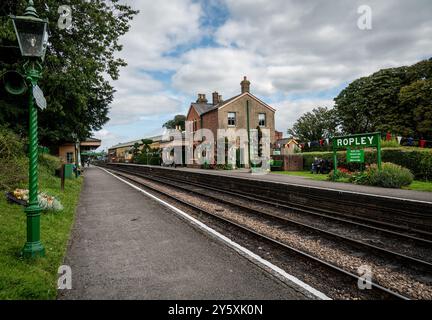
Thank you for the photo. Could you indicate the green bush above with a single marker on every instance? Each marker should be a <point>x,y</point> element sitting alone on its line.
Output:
<point>339,175</point>
<point>390,144</point>
<point>153,160</point>
<point>49,162</point>
<point>11,145</point>
<point>13,162</point>
<point>390,176</point>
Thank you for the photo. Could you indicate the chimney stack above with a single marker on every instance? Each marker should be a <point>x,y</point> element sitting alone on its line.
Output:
<point>201,98</point>
<point>245,85</point>
<point>216,99</point>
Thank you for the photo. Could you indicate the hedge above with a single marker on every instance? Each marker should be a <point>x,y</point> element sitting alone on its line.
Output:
<point>419,162</point>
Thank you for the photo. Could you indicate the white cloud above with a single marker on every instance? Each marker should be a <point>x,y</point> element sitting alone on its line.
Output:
<point>293,46</point>
<point>205,70</point>
<point>288,111</point>
<point>159,28</point>
<point>133,108</point>
<point>286,47</point>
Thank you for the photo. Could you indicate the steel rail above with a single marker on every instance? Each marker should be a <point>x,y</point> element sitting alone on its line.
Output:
<point>318,212</point>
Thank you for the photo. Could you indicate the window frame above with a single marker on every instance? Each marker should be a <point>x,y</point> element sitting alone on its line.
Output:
<point>230,118</point>
<point>265,119</point>
<point>71,160</point>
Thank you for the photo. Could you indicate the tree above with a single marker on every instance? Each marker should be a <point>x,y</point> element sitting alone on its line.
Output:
<point>318,124</point>
<point>136,151</point>
<point>371,103</point>
<point>380,101</point>
<point>79,62</point>
<point>418,98</point>
<point>179,120</point>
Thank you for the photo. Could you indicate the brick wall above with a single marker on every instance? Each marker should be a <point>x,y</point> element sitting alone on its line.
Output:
<point>194,116</point>
<point>255,108</point>
<point>210,121</point>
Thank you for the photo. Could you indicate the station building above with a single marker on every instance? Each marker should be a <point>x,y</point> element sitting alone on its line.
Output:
<point>123,152</point>
<point>243,111</point>
<point>69,152</point>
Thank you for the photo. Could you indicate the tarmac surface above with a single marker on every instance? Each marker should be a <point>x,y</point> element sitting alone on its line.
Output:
<point>339,186</point>
<point>125,245</point>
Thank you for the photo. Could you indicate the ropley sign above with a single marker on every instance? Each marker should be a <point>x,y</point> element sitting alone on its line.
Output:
<point>361,140</point>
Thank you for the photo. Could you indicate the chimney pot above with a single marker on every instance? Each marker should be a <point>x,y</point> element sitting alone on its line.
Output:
<point>245,85</point>
<point>201,98</point>
<point>216,98</point>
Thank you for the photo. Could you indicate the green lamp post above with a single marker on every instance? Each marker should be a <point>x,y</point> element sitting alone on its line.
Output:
<point>32,35</point>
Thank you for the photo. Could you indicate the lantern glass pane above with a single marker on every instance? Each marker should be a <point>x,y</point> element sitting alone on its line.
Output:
<point>30,37</point>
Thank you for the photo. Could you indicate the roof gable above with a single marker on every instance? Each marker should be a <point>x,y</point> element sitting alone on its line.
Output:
<point>234,99</point>
<point>201,108</point>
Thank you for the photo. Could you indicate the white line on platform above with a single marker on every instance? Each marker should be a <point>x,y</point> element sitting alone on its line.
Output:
<point>250,254</point>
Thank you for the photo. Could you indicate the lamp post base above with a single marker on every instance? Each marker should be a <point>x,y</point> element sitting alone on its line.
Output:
<point>33,247</point>
<point>33,250</point>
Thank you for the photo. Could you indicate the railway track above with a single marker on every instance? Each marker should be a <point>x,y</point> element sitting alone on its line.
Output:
<point>420,236</point>
<point>414,241</point>
<point>281,222</point>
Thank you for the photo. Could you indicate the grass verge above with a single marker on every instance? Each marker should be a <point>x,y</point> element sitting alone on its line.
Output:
<point>36,279</point>
<point>304,174</point>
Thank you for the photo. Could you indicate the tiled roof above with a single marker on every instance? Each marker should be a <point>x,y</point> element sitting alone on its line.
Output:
<point>227,101</point>
<point>202,108</point>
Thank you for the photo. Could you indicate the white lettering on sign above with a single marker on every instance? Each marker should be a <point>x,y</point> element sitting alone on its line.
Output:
<point>354,141</point>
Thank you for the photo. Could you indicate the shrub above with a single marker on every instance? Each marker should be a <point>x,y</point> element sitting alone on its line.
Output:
<point>425,169</point>
<point>224,167</point>
<point>390,176</point>
<point>14,164</point>
<point>340,174</point>
<point>49,162</point>
<point>390,144</point>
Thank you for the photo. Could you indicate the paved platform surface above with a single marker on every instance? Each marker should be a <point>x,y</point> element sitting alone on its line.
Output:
<point>125,245</point>
<point>347,187</point>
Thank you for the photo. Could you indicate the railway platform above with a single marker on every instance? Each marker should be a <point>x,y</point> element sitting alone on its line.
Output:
<point>328,185</point>
<point>126,245</point>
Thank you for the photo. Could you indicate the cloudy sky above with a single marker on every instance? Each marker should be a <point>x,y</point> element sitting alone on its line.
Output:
<point>298,54</point>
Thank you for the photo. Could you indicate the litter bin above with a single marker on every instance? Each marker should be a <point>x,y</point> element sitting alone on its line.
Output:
<point>69,174</point>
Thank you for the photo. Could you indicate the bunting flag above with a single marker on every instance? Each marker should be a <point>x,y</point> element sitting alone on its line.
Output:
<point>388,136</point>
<point>399,138</point>
<point>328,141</point>
<point>309,143</point>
